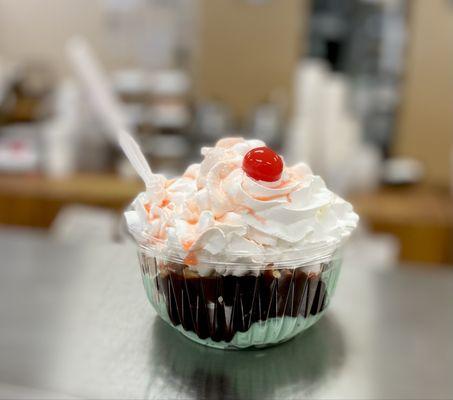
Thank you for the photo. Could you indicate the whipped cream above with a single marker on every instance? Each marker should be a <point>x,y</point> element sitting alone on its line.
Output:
<point>215,212</point>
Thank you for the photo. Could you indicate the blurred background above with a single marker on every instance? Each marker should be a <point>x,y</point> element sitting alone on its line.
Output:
<point>360,89</point>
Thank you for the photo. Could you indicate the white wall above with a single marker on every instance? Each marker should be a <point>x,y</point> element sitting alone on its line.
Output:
<point>38,29</point>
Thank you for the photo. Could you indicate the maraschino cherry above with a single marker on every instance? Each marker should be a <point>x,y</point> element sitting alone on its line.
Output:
<point>263,164</point>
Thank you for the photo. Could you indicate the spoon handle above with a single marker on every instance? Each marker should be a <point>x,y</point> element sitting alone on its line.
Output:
<point>106,104</point>
<point>136,158</point>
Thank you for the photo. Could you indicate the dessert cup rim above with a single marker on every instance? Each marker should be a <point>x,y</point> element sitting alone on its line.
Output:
<point>298,257</point>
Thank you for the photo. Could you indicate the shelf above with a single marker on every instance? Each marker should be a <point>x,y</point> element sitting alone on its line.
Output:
<point>35,200</point>
<point>420,217</point>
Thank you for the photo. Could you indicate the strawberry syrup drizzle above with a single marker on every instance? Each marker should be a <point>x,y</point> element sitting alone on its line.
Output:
<point>191,258</point>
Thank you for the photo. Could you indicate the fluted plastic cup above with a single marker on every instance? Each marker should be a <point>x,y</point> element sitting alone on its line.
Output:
<point>236,305</point>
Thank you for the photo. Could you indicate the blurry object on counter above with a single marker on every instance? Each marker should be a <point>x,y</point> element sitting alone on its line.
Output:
<point>38,121</point>
<point>326,134</point>
<point>400,171</point>
<point>131,85</point>
<point>266,123</point>
<point>213,121</point>
<point>97,153</point>
<point>170,83</point>
<point>37,118</point>
<point>169,109</point>
<point>19,148</point>
<point>376,251</point>
<point>361,173</point>
<point>60,134</point>
<point>82,224</point>
<point>309,82</point>
<point>43,124</point>
<point>156,105</point>
<point>7,76</point>
<point>26,94</point>
<point>167,153</point>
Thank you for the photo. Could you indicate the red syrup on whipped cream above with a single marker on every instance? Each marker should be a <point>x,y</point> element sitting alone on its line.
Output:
<point>240,202</point>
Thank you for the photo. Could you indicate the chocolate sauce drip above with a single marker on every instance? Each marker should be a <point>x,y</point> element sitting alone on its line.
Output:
<point>218,306</point>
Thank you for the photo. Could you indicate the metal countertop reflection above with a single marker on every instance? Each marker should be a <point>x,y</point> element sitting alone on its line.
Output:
<point>75,322</point>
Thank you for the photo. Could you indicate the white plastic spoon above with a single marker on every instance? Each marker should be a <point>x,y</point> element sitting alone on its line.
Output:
<point>93,78</point>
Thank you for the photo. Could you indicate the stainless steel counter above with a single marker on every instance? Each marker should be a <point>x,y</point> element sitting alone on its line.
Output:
<point>74,321</point>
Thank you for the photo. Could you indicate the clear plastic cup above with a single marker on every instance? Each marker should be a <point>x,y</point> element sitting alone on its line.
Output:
<point>235,305</point>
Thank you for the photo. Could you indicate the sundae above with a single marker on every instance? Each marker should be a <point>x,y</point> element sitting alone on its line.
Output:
<point>241,250</point>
